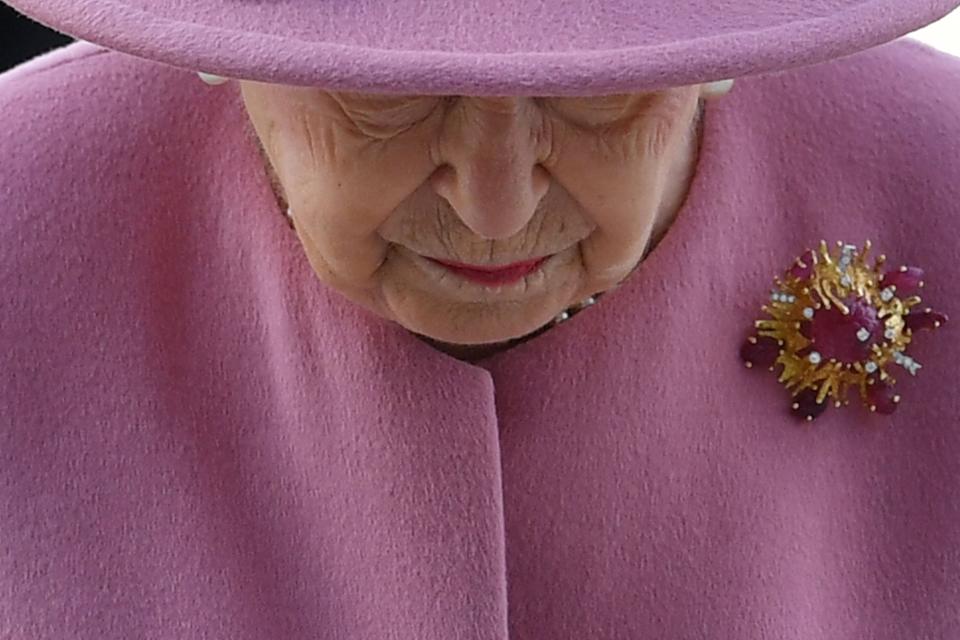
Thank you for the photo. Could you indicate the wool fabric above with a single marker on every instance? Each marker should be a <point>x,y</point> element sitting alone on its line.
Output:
<point>200,439</point>
<point>488,47</point>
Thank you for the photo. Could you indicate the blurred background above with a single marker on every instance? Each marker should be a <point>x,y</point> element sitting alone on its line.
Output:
<point>23,39</point>
<point>943,34</point>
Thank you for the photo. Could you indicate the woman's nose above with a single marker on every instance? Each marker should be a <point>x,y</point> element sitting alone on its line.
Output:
<point>491,174</point>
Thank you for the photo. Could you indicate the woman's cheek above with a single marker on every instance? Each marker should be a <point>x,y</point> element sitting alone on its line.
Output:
<point>655,139</point>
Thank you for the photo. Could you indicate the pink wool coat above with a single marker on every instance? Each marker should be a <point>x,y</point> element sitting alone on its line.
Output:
<point>198,439</point>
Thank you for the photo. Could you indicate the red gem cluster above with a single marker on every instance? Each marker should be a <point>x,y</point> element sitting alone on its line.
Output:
<point>837,323</point>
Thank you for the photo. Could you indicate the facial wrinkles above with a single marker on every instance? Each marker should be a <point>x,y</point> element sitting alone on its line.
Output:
<point>386,117</point>
<point>486,149</point>
<point>592,153</point>
<point>440,233</point>
<point>617,173</point>
<point>596,151</point>
<point>339,226</point>
<point>461,131</point>
<point>286,155</point>
<point>335,185</point>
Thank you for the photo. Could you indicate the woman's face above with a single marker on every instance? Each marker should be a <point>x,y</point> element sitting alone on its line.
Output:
<point>378,182</point>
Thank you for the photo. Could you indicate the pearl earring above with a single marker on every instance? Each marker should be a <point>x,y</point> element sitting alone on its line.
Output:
<point>716,89</point>
<point>211,79</point>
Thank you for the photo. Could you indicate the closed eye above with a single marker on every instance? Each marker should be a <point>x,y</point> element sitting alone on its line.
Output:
<point>387,115</point>
<point>595,111</point>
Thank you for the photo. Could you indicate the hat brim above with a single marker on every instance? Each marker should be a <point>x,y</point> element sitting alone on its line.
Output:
<point>496,47</point>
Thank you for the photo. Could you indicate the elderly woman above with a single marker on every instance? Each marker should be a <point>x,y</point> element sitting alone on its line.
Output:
<point>431,322</point>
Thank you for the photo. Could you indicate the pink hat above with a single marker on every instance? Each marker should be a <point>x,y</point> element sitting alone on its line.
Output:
<point>487,47</point>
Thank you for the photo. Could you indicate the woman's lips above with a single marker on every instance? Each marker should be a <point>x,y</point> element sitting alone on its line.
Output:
<point>493,275</point>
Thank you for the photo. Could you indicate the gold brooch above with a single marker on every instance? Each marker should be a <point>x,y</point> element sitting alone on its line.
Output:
<point>837,323</point>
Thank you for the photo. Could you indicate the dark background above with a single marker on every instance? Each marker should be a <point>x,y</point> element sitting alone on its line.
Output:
<point>23,38</point>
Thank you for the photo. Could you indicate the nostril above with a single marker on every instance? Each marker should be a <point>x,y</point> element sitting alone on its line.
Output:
<point>541,180</point>
<point>442,180</point>
<point>495,197</point>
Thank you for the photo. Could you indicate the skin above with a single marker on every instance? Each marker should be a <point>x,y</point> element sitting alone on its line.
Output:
<point>478,180</point>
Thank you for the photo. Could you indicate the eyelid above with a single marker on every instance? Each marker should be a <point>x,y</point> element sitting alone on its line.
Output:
<point>585,114</point>
<point>386,115</point>
<point>389,122</point>
<point>598,112</point>
<point>375,103</point>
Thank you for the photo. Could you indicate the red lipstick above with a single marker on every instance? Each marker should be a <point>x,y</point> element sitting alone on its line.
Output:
<point>493,275</point>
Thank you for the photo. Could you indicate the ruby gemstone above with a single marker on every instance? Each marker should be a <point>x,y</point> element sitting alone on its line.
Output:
<point>881,395</point>
<point>906,281</point>
<point>805,405</point>
<point>763,353</point>
<point>924,320</point>
<point>834,335</point>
